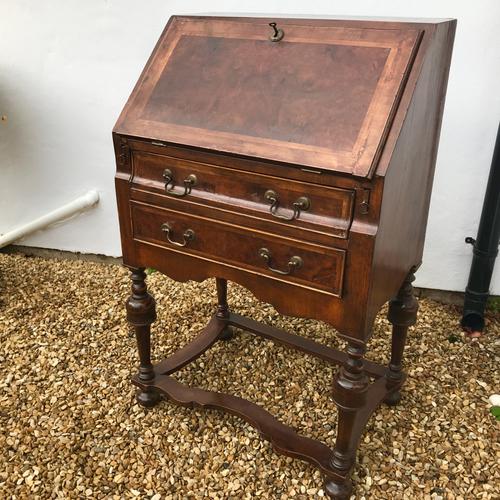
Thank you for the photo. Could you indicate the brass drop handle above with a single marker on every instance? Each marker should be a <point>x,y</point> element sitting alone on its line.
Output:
<point>188,235</point>
<point>300,204</point>
<point>295,262</point>
<point>189,182</point>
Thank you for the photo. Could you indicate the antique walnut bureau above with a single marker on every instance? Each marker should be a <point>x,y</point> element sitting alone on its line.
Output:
<point>294,157</point>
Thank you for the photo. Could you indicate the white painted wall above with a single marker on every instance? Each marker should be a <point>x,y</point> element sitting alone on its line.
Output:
<point>67,67</point>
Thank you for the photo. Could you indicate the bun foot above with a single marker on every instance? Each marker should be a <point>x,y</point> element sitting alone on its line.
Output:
<point>147,399</point>
<point>338,490</point>
<point>393,398</point>
<point>227,333</point>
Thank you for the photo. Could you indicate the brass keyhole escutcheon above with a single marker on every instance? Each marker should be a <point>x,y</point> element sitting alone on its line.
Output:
<point>278,33</point>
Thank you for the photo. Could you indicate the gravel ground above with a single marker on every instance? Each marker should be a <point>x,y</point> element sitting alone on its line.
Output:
<point>69,426</point>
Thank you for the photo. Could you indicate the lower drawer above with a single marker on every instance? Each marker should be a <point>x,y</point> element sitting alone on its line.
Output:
<point>284,259</point>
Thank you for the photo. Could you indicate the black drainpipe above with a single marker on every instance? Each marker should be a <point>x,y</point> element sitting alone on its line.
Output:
<point>485,250</point>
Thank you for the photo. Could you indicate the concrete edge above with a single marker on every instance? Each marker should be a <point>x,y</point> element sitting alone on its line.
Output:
<point>50,253</point>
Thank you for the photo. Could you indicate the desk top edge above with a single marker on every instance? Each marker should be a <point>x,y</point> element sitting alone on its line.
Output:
<point>316,19</point>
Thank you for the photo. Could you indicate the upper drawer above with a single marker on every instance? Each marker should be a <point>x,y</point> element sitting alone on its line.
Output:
<point>307,206</point>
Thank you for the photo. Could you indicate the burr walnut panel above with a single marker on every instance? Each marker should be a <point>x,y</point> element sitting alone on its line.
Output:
<point>269,97</point>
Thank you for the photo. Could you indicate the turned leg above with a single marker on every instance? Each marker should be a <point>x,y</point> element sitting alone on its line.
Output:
<point>402,314</point>
<point>223,308</point>
<point>141,313</point>
<point>349,394</point>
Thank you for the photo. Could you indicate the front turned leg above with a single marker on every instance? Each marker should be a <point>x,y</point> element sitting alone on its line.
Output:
<point>223,308</point>
<point>349,394</point>
<point>402,314</point>
<point>141,313</point>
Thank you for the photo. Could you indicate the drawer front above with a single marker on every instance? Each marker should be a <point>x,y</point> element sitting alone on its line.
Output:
<point>293,261</point>
<point>296,204</point>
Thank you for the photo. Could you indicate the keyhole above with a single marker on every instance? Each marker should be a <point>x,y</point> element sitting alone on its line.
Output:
<point>278,33</point>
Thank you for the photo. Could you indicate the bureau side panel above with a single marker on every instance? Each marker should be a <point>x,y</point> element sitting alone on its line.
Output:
<point>408,181</point>
<point>122,187</point>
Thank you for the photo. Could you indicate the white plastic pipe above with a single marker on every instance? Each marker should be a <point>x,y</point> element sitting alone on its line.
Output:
<point>79,205</point>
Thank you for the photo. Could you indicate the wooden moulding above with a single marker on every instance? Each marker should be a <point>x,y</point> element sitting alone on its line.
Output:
<point>283,438</point>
